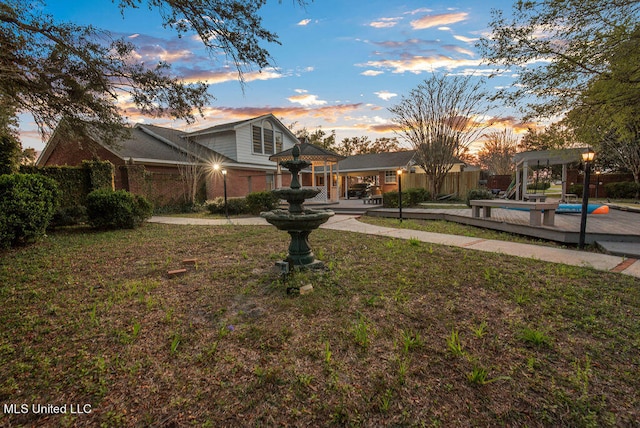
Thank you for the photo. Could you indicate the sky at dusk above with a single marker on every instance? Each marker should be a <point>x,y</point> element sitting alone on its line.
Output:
<point>341,64</point>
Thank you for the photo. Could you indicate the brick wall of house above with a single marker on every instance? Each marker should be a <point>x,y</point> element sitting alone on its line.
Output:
<point>240,182</point>
<point>162,185</point>
<point>72,153</point>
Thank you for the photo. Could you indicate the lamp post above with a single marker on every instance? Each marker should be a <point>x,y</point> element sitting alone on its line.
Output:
<point>216,167</point>
<point>399,172</point>
<point>226,207</point>
<point>587,157</point>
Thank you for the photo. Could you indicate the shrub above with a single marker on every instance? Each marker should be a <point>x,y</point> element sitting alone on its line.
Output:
<point>622,190</point>
<point>410,197</point>
<point>10,153</point>
<point>261,201</point>
<point>390,200</point>
<point>27,205</point>
<point>235,206</point>
<point>576,189</point>
<point>416,195</point>
<point>539,186</point>
<point>478,194</point>
<point>107,209</point>
<point>68,216</point>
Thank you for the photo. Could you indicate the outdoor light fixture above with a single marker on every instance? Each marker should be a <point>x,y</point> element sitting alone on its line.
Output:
<point>399,172</point>
<point>226,207</point>
<point>587,157</point>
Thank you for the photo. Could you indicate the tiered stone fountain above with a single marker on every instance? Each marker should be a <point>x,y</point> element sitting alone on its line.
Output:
<point>297,221</point>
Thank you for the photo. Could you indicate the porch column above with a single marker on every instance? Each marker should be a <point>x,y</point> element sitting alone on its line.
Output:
<point>338,182</point>
<point>517,182</point>
<point>525,178</point>
<point>346,186</point>
<point>278,176</point>
<point>326,183</point>
<point>564,182</point>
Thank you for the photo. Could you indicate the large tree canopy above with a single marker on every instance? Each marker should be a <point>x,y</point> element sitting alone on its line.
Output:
<point>440,118</point>
<point>557,47</point>
<point>59,70</point>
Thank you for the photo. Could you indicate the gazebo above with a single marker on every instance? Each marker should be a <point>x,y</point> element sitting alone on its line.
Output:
<point>323,172</point>
<point>545,158</point>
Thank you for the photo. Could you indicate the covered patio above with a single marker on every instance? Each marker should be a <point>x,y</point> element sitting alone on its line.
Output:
<point>322,174</point>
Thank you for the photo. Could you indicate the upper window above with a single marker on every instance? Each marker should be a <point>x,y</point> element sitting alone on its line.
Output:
<point>266,140</point>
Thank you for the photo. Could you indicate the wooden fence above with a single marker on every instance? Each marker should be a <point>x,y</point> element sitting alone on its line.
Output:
<point>458,183</point>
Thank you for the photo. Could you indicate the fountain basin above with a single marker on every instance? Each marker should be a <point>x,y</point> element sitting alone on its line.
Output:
<point>299,226</point>
<point>307,220</point>
<point>296,197</point>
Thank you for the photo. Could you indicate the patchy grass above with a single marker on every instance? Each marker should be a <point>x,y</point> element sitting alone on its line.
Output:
<point>452,228</point>
<point>92,318</point>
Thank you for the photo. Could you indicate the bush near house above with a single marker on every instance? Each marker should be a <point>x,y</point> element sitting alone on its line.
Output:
<point>27,205</point>
<point>258,202</point>
<point>478,194</point>
<point>108,209</point>
<point>74,184</point>
<point>235,206</point>
<point>254,203</point>
<point>410,197</point>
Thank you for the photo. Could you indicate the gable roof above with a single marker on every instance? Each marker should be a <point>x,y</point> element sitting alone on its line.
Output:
<point>151,144</point>
<point>233,126</point>
<point>377,161</point>
<point>308,151</point>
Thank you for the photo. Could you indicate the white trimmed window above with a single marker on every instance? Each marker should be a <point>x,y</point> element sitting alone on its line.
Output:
<point>390,177</point>
<point>266,140</point>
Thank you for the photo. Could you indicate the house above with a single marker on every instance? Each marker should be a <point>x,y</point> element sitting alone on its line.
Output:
<point>167,165</point>
<point>381,170</point>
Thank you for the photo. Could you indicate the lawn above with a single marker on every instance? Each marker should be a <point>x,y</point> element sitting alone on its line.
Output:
<point>452,228</point>
<point>394,333</point>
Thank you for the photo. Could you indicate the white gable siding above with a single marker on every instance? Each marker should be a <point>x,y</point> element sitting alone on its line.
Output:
<point>223,143</point>
<point>244,144</point>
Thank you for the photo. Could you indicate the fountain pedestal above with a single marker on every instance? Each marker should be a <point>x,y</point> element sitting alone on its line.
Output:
<point>297,221</point>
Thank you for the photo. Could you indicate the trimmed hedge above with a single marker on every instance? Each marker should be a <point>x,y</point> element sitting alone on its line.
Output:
<point>27,205</point>
<point>108,209</point>
<point>234,205</point>
<point>258,202</point>
<point>576,189</point>
<point>478,194</point>
<point>254,203</point>
<point>76,182</point>
<point>410,197</point>
<point>540,186</point>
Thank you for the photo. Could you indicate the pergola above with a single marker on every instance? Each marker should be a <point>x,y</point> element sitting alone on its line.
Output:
<point>319,157</point>
<point>545,158</point>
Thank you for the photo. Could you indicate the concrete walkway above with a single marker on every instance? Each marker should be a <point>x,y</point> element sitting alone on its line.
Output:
<point>351,224</point>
